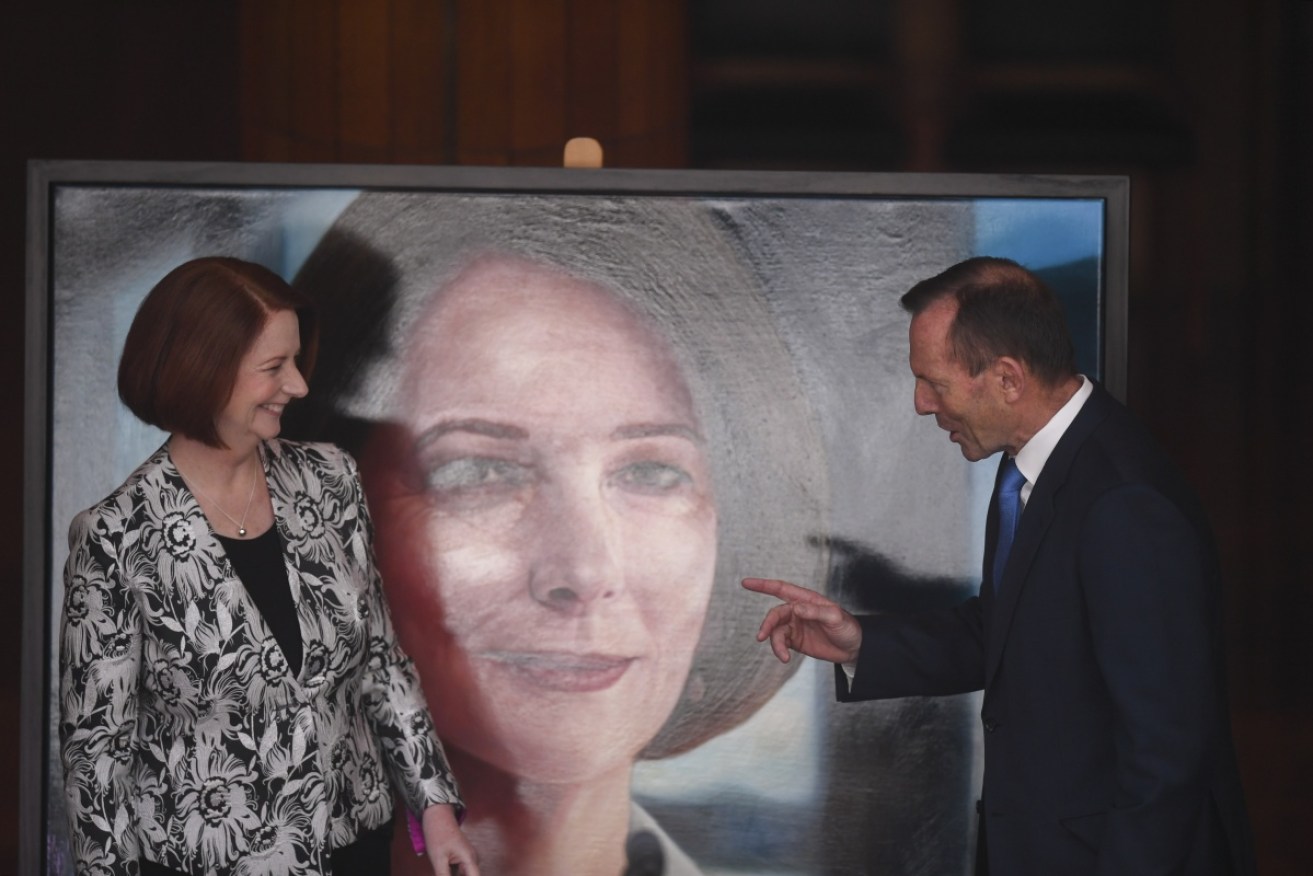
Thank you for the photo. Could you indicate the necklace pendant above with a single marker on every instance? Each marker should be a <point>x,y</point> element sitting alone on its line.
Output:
<point>241,532</point>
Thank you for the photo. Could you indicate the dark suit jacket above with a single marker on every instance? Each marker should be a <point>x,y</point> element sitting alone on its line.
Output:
<point>1107,739</point>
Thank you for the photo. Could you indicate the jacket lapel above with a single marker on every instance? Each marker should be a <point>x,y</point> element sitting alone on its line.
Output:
<point>1035,521</point>
<point>283,502</point>
<point>988,590</point>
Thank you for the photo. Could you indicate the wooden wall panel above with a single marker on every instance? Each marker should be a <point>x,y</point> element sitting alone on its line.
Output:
<point>537,102</point>
<point>463,81</point>
<point>264,81</point>
<point>364,76</point>
<point>483,79</point>
<point>592,53</point>
<point>311,69</point>
<point>927,52</point>
<point>653,60</point>
<point>422,48</point>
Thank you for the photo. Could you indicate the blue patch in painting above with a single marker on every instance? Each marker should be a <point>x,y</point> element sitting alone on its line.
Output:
<point>1061,240</point>
<point>1040,232</point>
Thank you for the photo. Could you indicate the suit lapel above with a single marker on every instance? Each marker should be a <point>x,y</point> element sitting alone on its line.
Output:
<point>988,590</point>
<point>1035,521</point>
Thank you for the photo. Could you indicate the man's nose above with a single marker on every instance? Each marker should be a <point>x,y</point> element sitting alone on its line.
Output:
<point>923,400</point>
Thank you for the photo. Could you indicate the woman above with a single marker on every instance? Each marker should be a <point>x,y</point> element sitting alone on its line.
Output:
<point>233,699</point>
<point>564,408</point>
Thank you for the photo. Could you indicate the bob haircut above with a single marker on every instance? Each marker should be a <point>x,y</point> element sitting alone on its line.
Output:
<point>670,262</point>
<point>188,338</point>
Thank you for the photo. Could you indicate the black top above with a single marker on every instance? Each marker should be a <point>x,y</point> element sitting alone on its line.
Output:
<point>258,562</point>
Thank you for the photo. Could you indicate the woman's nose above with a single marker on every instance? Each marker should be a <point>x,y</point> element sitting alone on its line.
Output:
<point>577,563</point>
<point>295,385</point>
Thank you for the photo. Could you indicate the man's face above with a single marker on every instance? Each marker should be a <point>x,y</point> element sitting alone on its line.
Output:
<point>970,408</point>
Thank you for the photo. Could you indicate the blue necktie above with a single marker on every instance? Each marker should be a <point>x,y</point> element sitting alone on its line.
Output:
<point>1009,512</point>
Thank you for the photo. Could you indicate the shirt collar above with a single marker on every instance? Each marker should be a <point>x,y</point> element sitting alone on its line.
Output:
<point>1032,456</point>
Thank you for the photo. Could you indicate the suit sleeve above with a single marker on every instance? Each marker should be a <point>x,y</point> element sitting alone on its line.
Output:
<point>1150,593</point>
<point>923,654</point>
<point>395,702</point>
<point>100,654</point>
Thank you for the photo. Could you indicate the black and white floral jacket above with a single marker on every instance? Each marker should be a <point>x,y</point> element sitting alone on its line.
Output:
<point>185,738</point>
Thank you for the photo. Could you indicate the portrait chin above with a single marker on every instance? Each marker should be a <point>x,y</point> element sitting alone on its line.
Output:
<point>516,696</point>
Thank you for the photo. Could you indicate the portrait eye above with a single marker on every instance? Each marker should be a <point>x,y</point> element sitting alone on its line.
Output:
<point>653,477</point>
<point>477,473</point>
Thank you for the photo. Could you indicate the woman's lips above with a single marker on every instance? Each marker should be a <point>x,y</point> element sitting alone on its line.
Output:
<point>569,673</point>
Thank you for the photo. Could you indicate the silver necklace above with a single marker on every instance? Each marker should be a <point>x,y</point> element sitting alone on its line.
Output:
<point>240,524</point>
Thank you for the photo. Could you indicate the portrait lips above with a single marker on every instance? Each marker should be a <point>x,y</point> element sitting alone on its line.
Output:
<point>559,671</point>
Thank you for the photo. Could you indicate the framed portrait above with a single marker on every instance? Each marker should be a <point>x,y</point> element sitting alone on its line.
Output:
<point>572,606</point>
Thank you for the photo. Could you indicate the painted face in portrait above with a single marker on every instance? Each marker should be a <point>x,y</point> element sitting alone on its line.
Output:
<point>546,524</point>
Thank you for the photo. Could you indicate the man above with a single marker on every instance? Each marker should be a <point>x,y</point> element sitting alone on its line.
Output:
<point>1096,635</point>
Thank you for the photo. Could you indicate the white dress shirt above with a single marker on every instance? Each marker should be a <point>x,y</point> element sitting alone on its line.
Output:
<point>1035,452</point>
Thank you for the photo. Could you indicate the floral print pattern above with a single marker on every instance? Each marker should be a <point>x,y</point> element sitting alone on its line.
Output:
<point>184,736</point>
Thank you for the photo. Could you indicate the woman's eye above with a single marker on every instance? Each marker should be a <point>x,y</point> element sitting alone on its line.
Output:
<point>653,477</point>
<point>477,473</point>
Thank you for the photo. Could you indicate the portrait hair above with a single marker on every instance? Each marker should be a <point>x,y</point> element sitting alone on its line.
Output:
<point>1002,310</point>
<point>670,263</point>
<point>182,352</point>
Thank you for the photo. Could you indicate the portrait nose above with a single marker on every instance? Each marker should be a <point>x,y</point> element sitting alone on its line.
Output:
<point>577,565</point>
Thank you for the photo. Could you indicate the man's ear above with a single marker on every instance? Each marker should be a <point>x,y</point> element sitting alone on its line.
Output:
<point>1011,377</point>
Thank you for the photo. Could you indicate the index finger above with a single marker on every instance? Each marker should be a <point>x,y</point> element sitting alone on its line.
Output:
<point>781,590</point>
<point>463,868</point>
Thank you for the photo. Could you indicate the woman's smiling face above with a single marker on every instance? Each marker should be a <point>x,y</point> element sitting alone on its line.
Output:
<point>547,529</point>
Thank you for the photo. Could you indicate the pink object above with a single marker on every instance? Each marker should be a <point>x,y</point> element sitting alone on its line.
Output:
<point>416,831</point>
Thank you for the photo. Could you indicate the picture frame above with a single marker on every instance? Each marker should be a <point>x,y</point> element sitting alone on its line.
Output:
<point>822,257</point>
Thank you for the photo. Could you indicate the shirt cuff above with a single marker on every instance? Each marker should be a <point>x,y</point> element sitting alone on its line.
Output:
<point>850,672</point>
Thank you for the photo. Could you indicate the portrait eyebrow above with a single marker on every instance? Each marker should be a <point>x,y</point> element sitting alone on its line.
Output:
<point>657,430</point>
<point>487,428</point>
